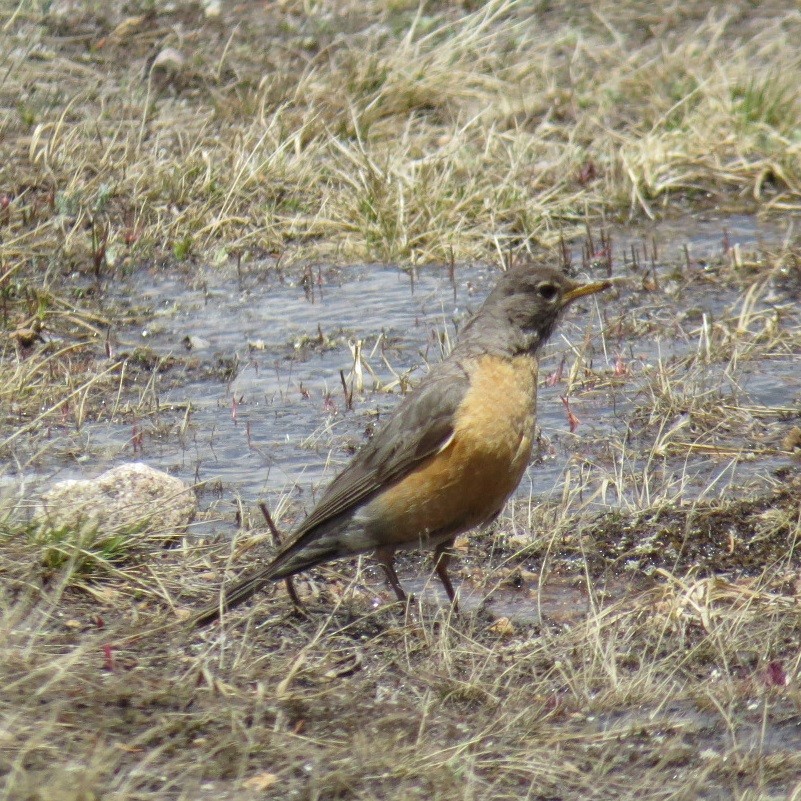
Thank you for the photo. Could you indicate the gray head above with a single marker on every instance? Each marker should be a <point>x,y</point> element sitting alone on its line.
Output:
<point>522,310</point>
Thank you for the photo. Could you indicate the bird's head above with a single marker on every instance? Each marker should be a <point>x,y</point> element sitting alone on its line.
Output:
<point>522,310</point>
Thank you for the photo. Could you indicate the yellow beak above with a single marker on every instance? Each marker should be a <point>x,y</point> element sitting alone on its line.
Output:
<point>579,290</point>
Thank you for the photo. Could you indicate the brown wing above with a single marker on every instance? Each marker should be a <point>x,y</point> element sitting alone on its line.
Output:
<point>418,428</point>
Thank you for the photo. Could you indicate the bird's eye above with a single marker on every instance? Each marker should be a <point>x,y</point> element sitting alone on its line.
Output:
<point>548,291</point>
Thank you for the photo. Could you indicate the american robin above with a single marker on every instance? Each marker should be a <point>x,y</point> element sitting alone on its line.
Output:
<point>450,455</point>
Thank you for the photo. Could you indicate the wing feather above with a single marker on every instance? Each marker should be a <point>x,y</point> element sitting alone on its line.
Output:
<point>420,427</point>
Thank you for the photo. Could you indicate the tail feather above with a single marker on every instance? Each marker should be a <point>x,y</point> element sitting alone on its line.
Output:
<point>287,563</point>
<point>233,596</point>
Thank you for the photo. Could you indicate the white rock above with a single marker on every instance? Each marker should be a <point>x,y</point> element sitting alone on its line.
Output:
<point>129,499</point>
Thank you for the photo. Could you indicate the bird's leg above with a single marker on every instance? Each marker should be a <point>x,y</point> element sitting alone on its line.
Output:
<point>276,535</point>
<point>293,595</point>
<point>386,558</point>
<point>442,556</point>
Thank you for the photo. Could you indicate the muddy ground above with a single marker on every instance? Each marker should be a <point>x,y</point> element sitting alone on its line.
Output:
<point>232,236</point>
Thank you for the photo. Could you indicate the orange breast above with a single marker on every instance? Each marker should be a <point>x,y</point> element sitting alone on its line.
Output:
<point>469,480</point>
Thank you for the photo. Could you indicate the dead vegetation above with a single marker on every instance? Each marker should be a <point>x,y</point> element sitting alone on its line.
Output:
<point>374,131</point>
<point>649,652</point>
<point>684,686</point>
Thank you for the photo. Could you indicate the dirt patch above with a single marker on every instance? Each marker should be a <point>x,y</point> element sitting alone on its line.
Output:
<point>691,680</point>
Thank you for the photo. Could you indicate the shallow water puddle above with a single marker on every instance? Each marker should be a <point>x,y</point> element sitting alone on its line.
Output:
<point>281,427</point>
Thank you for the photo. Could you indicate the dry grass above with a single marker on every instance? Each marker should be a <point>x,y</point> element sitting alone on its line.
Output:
<point>677,689</point>
<point>651,652</point>
<point>375,131</point>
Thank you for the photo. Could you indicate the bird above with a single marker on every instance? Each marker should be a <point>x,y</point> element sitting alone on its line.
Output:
<point>448,457</point>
